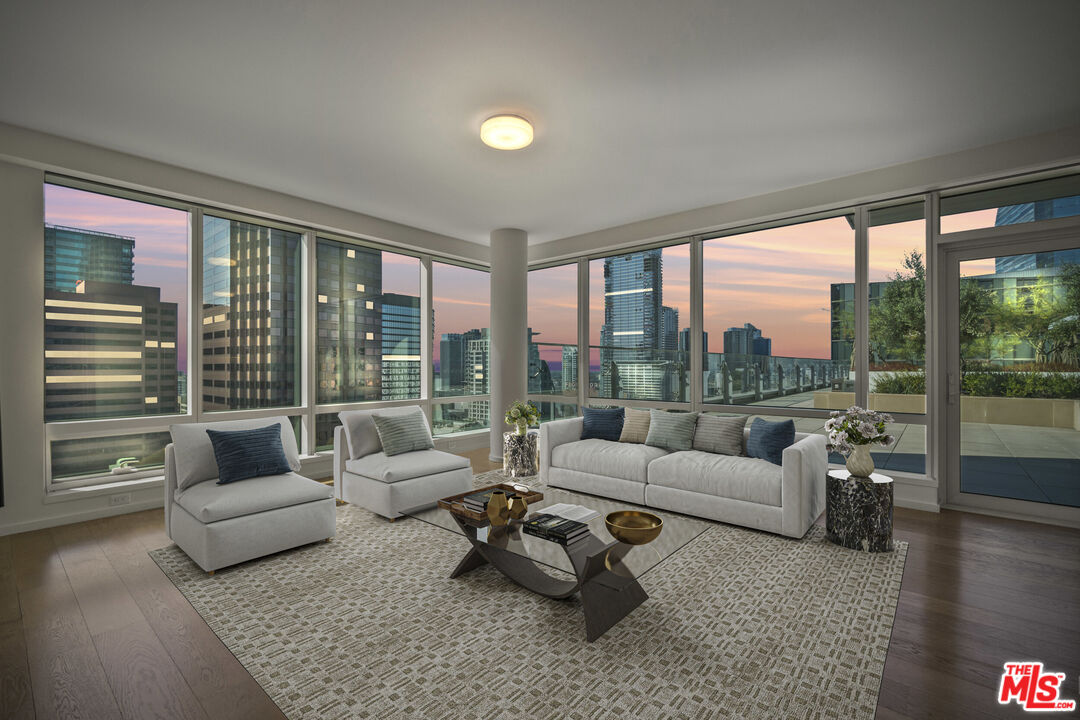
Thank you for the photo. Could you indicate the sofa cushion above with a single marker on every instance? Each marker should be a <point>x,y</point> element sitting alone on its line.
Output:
<point>194,452</point>
<point>721,435</point>
<point>671,430</point>
<point>209,502</point>
<point>243,454</point>
<point>602,423</point>
<point>394,468</point>
<point>635,428</point>
<point>603,457</point>
<point>767,440</point>
<point>404,432</point>
<point>738,478</point>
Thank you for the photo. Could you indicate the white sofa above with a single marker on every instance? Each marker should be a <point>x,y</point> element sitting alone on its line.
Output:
<point>221,525</point>
<point>391,484</point>
<point>734,489</point>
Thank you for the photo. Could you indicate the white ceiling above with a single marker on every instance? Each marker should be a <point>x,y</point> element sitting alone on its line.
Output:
<point>641,108</point>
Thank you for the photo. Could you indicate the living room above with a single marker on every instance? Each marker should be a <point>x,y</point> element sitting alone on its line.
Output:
<point>579,360</point>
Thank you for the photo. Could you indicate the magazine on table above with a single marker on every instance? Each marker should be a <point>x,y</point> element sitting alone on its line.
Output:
<point>579,513</point>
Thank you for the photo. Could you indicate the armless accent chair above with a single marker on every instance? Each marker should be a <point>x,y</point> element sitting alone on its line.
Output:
<point>388,485</point>
<point>222,525</point>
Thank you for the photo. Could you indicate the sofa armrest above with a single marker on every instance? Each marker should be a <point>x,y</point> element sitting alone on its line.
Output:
<point>341,454</point>
<point>803,489</point>
<point>554,433</point>
<point>170,486</point>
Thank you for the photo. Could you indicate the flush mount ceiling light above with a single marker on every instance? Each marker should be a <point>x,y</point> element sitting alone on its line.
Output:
<point>506,132</point>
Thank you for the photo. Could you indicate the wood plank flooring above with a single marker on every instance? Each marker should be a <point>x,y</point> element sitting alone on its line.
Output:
<point>91,628</point>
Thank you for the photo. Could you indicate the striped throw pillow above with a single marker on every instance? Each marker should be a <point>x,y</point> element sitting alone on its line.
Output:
<point>243,454</point>
<point>635,428</point>
<point>671,430</point>
<point>403,433</point>
<point>720,435</point>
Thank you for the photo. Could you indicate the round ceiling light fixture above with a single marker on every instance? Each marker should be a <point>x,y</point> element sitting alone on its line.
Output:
<point>506,132</point>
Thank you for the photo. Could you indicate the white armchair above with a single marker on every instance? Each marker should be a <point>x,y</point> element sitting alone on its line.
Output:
<point>390,484</point>
<point>221,525</point>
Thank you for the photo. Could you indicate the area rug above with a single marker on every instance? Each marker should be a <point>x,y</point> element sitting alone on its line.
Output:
<point>738,624</point>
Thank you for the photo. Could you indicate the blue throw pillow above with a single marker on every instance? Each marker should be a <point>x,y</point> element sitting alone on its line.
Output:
<point>602,424</point>
<point>768,439</point>
<point>243,454</point>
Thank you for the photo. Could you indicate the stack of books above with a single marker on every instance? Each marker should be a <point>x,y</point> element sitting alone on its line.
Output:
<point>556,529</point>
<point>478,501</point>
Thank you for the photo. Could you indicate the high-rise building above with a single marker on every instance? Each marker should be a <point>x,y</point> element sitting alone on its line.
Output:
<point>454,375</point>
<point>400,346</point>
<point>73,255</point>
<point>1030,212</point>
<point>250,316</point>
<point>540,380</point>
<point>746,340</point>
<point>477,356</point>
<point>669,329</point>
<point>110,351</point>
<point>684,341</point>
<point>631,333</point>
<point>569,367</point>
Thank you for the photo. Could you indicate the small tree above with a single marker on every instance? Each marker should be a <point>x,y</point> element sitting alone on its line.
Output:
<point>1046,315</point>
<point>898,319</point>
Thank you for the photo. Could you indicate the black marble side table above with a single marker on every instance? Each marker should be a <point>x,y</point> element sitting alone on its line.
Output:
<point>859,511</point>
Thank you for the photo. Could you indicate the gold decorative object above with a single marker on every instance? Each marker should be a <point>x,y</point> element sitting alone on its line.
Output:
<point>518,507</point>
<point>498,508</point>
<point>633,527</point>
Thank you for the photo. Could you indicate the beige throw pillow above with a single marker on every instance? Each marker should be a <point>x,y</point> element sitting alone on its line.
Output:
<point>635,426</point>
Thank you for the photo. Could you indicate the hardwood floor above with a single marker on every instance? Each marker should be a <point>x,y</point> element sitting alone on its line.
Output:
<point>91,628</point>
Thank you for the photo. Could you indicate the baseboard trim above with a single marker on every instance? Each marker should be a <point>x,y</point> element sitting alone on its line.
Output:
<point>1040,519</point>
<point>81,516</point>
<point>918,505</point>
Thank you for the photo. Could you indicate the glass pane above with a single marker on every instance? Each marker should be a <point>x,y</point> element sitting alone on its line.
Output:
<point>1020,377</point>
<point>461,310</point>
<point>553,317</point>
<point>368,307</point>
<point>450,418</point>
<point>250,316</point>
<point>116,456</point>
<point>897,275</point>
<point>115,307</point>
<point>779,316</point>
<point>1012,205</point>
<point>325,423</point>
<point>639,349</point>
<point>555,411</point>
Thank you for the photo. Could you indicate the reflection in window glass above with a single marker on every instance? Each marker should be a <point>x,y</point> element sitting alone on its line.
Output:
<point>115,307</point>
<point>779,316</point>
<point>553,350</point>
<point>639,324</point>
<point>462,344</point>
<point>250,316</point>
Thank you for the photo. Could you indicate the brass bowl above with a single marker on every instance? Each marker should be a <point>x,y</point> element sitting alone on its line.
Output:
<point>633,527</point>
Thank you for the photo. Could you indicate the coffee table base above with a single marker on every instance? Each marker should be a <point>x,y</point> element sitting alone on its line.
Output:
<point>607,596</point>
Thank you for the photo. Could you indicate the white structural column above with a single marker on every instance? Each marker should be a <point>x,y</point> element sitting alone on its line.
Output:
<point>509,359</point>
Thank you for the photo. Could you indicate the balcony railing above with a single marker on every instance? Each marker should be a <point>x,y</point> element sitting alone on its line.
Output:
<point>737,379</point>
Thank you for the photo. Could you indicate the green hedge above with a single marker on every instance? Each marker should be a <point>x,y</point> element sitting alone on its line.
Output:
<point>989,384</point>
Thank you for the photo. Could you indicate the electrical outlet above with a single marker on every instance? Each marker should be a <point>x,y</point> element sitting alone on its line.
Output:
<point>120,499</point>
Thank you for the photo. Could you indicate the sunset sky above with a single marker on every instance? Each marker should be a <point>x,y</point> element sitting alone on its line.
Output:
<point>776,279</point>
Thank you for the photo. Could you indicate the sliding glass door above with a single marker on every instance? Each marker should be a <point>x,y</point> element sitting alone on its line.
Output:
<point>1012,335</point>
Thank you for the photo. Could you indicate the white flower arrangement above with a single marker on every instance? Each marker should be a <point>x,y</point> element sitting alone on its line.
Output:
<point>856,426</point>
<point>523,415</point>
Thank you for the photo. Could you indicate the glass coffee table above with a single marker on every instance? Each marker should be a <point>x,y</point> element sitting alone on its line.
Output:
<point>603,570</point>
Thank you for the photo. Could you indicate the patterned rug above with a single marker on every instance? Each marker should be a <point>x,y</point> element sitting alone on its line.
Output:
<point>738,624</point>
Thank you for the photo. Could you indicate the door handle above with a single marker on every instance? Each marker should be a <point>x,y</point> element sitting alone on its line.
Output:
<point>953,389</point>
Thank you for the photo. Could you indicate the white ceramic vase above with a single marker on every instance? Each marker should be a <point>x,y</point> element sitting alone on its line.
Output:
<point>859,462</point>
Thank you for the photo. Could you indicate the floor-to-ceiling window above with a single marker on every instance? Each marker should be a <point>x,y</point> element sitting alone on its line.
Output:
<point>116,339</point>
<point>461,348</point>
<point>553,342</point>
<point>639,307</point>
